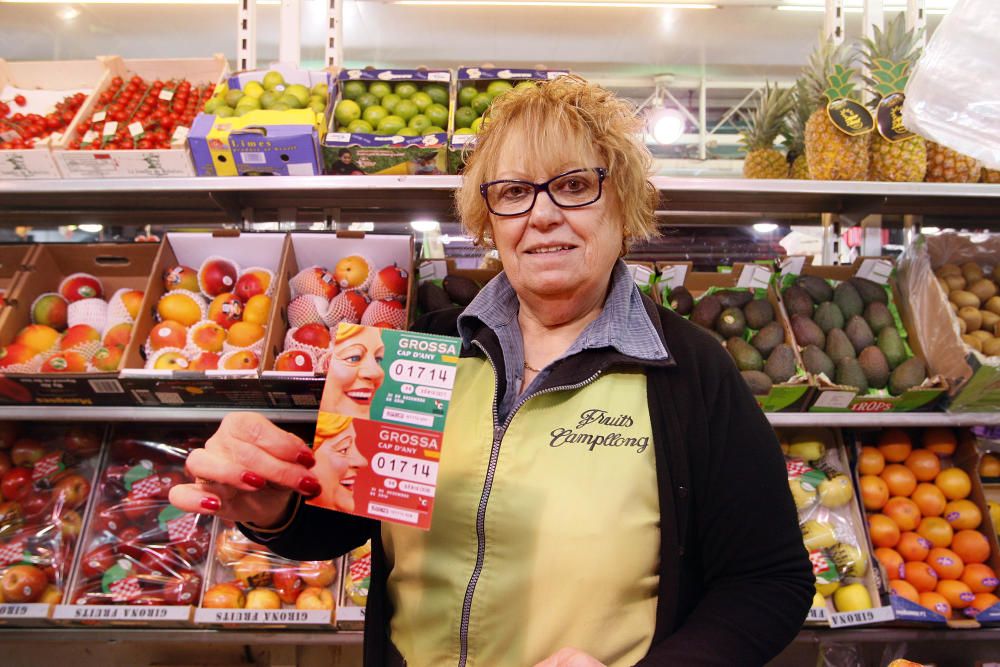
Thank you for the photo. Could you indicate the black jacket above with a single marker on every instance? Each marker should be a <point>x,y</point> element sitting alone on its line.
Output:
<point>735,579</point>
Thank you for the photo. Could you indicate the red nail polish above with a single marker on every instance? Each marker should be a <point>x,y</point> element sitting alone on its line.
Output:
<point>253,479</point>
<point>309,486</point>
<point>305,459</point>
<point>211,504</point>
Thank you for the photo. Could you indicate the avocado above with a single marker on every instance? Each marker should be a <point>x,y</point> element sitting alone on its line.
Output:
<point>707,311</point>
<point>734,298</point>
<point>828,316</point>
<point>768,338</point>
<point>460,289</point>
<point>877,316</point>
<point>838,346</point>
<point>891,344</point>
<point>681,301</point>
<point>849,374</point>
<point>818,289</point>
<point>797,301</point>
<point>847,297</point>
<point>907,375</point>
<point>816,362</point>
<point>759,313</point>
<point>859,333</point>
<point>431,297</point>
<point>807,332</point>
<point>759,383</point>
<point>780,366</point>
<point>747,358</point>
<point>731,323</point>
<point>870,292</point>
<point>874,366</point>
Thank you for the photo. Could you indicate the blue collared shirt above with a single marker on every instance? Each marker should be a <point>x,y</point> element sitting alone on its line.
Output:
<point>623,325</point>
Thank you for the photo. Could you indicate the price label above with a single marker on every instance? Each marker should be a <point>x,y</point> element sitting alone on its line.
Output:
<point>875,270</point>
<point>404,467</point>
<point>418,372</point>
<point>673,276</point>
<point>793,265</point>
<point>640,274</point>
<point>166,95</point>
<point>433,270</point>
<point>755,277</point>
<point>89,137</point>
<point>136,129</point>
<point>99,117</point>
<point>180,133</point>
<point>9,135</point>
<point>437,76</point>
<point>110,129</point>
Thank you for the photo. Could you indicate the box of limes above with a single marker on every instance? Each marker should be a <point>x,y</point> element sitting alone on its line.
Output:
<point>263,123</point>
<point>477,88</point>
<point>390,121</point>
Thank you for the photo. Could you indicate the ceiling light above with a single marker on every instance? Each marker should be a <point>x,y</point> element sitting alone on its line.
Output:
<point>666,125</point>
<point>361,227</point>
<point>930,231</point>
<point>653,4</point>
<point>425,225</point>
<point>68,13</point>
<point>135,2</point>
<point>764,227</point>
<point>91,229</point>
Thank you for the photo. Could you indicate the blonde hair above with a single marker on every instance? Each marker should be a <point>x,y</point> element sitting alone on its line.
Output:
<point>346,330</point>
<point>555,111</point>
<point>329,424</point>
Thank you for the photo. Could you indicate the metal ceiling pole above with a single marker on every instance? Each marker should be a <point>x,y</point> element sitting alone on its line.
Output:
<point>246,35</point>
<point>703,119</point>
<point>334,33</point>
<point>873,16</point>
<point>289,43</point>
<point>833,22</point>
<point>916,18</point>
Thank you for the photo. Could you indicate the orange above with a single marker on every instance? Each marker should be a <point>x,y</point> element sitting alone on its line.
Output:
<point>899,479</point>
<point>895,445</point>
<point>929,499</point>
<point>874,492</point>
<point>981,603</point>
<point>891,562</point>
<point>954,483</point>
<point>963,514</point>
<point>979,578</point>
<point>924,464</point>
<point>940,440</point>
<point>905,589</point>
<point>971,545</point>
<point>936,531</point>
<point>884,531</point>
<point>936,603</point>
<point>870,461</point>
<point>904,512</point>
<point>946,563</point>
<point>955,592</point>
<point>989,466</point>
<point>912,546</point>
<point>920,575</point>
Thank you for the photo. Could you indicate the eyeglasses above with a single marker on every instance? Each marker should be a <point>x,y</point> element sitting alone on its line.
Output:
<point>571,189</point>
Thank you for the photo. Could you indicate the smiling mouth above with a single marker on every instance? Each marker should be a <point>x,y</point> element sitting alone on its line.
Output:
<point>550,249</point>
<point>348,482</point>
<point>363,396</point>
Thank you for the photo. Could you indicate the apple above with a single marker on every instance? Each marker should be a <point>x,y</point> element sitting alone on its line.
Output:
<point>10,515</point>
<point>81,441</point>
<point>72,491</point>
<point>390,283</point>
<point>162,562</point>
<point>288,584</point>
<point>36,505</point>
<point>130,543</point>
<point>312,334</point>
<point>97,560</point>
<point>224,596</point>
<point>110,520</point>
<point>263,598</point>
<point>15,484</point>
<point>23,583</point>
<point>231,546</point>
<point>318,572</point>
<point>183,588</point>
<point>852,597</point>
<point>26,452</point>
<point>314,597</point>
<point>169,480</point>
<point>254,570</point>
<point>193,551</point>
<point>70,524</point>
<point>51,595</point>
<point>135,508</point>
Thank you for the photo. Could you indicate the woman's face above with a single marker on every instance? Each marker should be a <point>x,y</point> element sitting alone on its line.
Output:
<point>355,374</point>
<point>338,461</point>
<point>551,252</point>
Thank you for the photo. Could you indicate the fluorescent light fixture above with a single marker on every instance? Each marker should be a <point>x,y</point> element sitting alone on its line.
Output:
<point>68,14</point>
<point>557,3</point>
<point>91,229</point>
<point>361,227</point>
<point>425,225</point>
<point>667,126</point>
<point>930,231</point>
<point>764,227</point>
<point>135,2</point>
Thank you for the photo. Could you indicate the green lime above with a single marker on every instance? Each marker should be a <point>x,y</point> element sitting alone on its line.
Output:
<point>379,89</point>
<point>438,93</point>
<point>280,106</point>
<point>464,130</point>
<point>422,100</point>
<point>481,103</point>
<point>358,126</point>
<point>434,129</point>
<point>241,111</point>
<point>496,88</point>
<point>405,89</point>
<point>272,80</point>
<point>374,115</point>
<point>476,125</point>
<point>391,125</point>
<point>292,101</point>
<point>353,90</point>
<point>406,109</point>
<point>223,111</point>
<point>317,99</point>
<point>268,99</point>
<point>408,132</point>
<point>464,116</point>
<point>247,101</point>
<point>233,97</point>
<point>420,123</point>
<point>346,111</point>
<point>320,89</point>
<point>367,100</point>
<point>299,91</point>
<point>390,101</point>
<point>253,89</point>
<point>437,114</point>
<point>525,84</point>
<point>466,95</point>
<point>212,104</point>
<point>319,106</point>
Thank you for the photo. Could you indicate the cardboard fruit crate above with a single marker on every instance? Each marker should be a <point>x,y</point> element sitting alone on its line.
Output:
<point>830,397</point>
<point>137,163</point>
<point>118,266</point>
<point>350,152</point>
<point>44,84</point>
<point>263,142</point>
<point>183,386</point>
<point>791,396</point>
<point>13,261</point>
<point>307,250</point>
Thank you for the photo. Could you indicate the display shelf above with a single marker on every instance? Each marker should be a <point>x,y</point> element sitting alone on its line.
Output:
<point>182,636</point>
<point>218,200</point>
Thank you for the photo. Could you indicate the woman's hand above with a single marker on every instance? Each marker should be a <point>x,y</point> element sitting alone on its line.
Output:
<point>247,472</point>
<point>570,657</point>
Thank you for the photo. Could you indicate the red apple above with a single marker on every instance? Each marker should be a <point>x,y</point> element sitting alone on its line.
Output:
<point>168,480</point>
<point>135,508</point>
<point>288,584</point>
<point>70,524</point>
<point>15,484</point>
<point>183,588</point>
<point>224,596</point>
<point>314,334</point>
<point>51,595</point>
<point>36,505</point>
<point>314,597</point>
<point>10,515</point>
<point>162,562</point>
<point>23,583</point>
<point>26,452</point>
<point>390,283</point>
<point>72,491</point>
<point>231,546</point>
<point>82,441</point>
<point>254,570</point>
<point>109,520</point>
<point>216,276</point>
<point>263,598</point>
<point>193,551</point>
<point>97,560</point>
<point>130,543</point>
<point>318,572</point>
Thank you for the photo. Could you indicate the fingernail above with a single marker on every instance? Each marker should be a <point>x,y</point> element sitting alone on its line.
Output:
<point>306,459</point>
<point>211,504</point>
<point>253,479</point>
<point>309,486</point>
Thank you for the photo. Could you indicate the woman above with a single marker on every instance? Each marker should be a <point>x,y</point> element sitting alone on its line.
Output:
<point>337,458</point>
<point>609,491</point>
<point>355,372</point>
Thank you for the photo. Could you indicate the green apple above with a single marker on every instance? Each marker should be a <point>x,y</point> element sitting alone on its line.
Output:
<point>420,123</point>
<point>853,597</point>
<point>480,103</point>
<point>433,129</point>
<point>804,496</point>
<point>374,115</point>
<point>851,561</point>
<point>390,101</point>
<point>497,88</point>
<point>242,111</point>
<point>233,97</point>
<point>437,114</point>
<point>300,92</point>
<point>408,132</point>
<point>353,90</point>
<point>438,93</point>
<point>422,100</point>
<point>379,89</point>
<point>346,111</point>
<point>253,89</point>
<point>405,89</point>
<point>390,125</point>
<point>280,106</point>
<point>358,126</point>
<point>466,95</point>
<point>525,84</point>
<point>476,125</point>
<point>319,106</point>
<point>464,130</point>
<point>367,100</point>
<point>406,109</point>
<point>212,104</point>
<point>818,535</point>
<point>827,588</point>
<point>819,600</point>
<point>273,80</point>
<point>464,117</point>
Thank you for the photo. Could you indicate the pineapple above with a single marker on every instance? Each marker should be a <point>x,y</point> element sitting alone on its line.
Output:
<point>795,131</point>
<point>990,175</point>
<point>889,57</point>
<point>763,160</point>
<point>831,154</point>
<point>947,166</point>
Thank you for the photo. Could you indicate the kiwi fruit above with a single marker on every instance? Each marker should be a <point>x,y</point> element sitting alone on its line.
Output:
<point>973,318</point>
<point>963,299</point>
<point>972,272</point>
<point>990,319</point>
<point>991,347</point>
<point>984,289</point>
<point>953,283</point>
<point>993,305</point>
<point>973,342</point>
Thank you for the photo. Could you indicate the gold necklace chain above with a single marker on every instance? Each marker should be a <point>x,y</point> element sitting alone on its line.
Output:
<point>533,370</point>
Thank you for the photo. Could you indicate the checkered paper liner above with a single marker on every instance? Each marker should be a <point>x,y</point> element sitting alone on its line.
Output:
<point>182,528</point>
<point>125,590</point>
<point>260,269</point>
<point>146,487</point>
<point>93,312</point>
<point>13,551</point>
<point>46,466</point>
<point>117,312</point>
<point>305,309</point>
<point>228,288</point>
<point>307,281</point>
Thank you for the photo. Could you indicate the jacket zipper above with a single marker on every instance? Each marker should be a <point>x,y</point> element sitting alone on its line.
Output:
<point>498,433</point>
